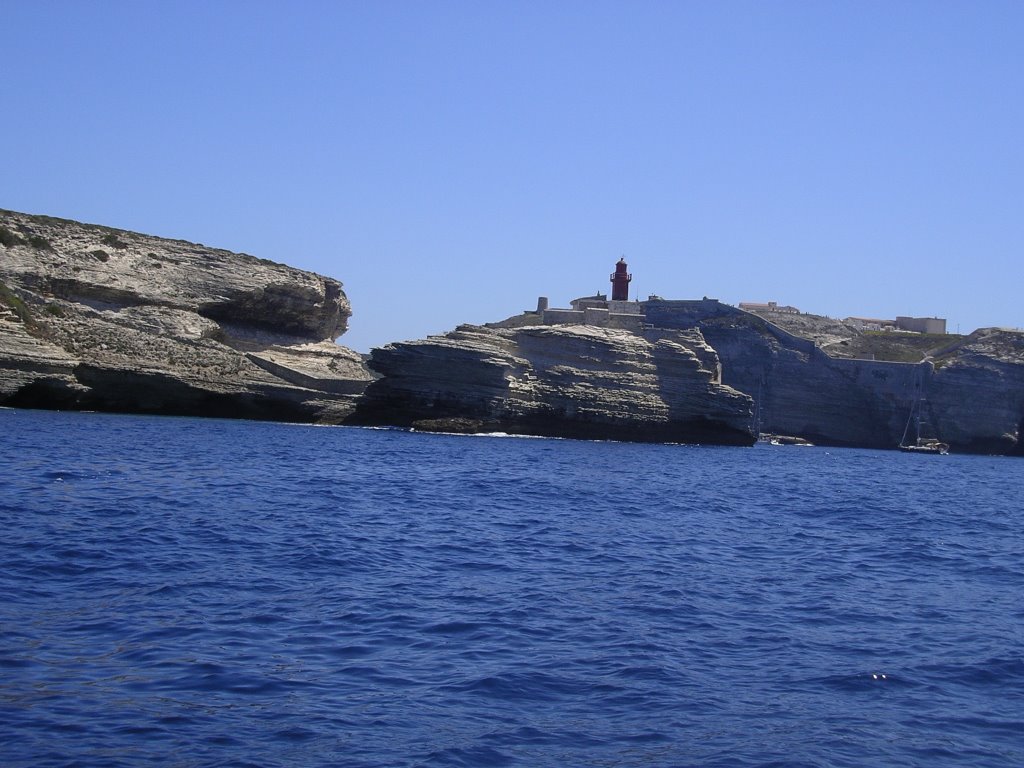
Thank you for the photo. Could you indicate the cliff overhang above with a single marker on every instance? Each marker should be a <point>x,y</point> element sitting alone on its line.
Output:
<point>103,319</point>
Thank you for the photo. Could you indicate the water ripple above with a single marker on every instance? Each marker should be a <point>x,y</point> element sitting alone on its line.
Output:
<point>203,593</point>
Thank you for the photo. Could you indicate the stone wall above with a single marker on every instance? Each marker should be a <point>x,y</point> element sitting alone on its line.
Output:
<point>562,317</point>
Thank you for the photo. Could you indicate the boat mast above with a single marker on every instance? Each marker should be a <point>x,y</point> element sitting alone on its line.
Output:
<point>915,408</point>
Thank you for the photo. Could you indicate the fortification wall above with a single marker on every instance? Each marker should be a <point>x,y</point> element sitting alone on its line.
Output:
<point>904,381</point>
<point>629,322</point>
<point>683,314</point>
<point>563,317</point>
<point>599,317</point>
<point>625,307</point>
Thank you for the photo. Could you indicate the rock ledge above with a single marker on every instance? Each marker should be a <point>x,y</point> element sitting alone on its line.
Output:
<point>103,319</point>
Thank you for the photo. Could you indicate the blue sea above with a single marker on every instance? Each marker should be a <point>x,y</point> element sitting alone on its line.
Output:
<point>186,592</point>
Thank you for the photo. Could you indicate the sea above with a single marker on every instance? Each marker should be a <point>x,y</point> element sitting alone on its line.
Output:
<point>187,592</point>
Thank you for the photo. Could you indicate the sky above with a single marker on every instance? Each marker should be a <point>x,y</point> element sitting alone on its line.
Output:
<point>450,162</point>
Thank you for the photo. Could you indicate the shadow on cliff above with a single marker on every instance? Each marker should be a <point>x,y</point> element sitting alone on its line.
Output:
<point>117,391</point>
<point>676,375</point>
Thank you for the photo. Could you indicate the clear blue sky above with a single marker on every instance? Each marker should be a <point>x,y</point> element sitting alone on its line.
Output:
<point>451,161</point>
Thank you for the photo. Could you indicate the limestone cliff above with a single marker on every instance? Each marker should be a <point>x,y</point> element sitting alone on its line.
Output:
<point>569,381</point>
<point>970,391</point>
<point>103,319</point>
<point>976,397</point>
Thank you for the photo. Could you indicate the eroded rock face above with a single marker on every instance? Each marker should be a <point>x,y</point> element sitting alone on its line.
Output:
<point>103,319</point>
<point>970,395</point>
<point>802,391</point>
<point>567,381</point>
<point>976,400</point>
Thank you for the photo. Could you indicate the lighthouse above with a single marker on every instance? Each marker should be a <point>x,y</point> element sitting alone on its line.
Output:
<point>620,282</point>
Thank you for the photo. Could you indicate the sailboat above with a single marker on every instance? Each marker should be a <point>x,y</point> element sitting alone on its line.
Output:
<point>920,445</point>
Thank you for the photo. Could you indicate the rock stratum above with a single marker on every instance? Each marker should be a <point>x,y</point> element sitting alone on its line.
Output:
<point>103,319</point>
<point>969,391</point>
<point>94,318</point>
<point>661,383</point>
<point>563,381</point>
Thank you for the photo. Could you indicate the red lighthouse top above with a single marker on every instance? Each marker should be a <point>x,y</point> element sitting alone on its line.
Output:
<point>620,281</point>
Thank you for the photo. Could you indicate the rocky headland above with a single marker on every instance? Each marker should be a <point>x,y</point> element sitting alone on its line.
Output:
<point>542,373</point>
<point>565,381</point>
<point>94,318</point>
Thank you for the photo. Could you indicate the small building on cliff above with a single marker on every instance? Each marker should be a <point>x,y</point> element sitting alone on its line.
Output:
<point>771,306</point>
<point>922,324</point>
<point>599,310</point>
